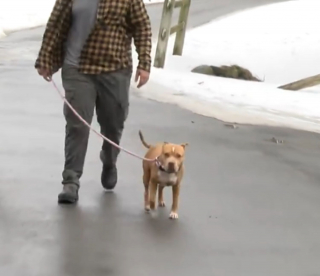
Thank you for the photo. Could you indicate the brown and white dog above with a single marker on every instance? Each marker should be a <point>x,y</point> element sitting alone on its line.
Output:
<point>167,170</point>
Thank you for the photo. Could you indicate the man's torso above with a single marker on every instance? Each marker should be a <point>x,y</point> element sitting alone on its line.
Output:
<point>84,14</point>
<point>103,39</point>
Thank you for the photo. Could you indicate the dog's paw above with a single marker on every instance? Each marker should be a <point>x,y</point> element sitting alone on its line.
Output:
<point>147,208</point>
<point>162,204</point>
<point>173,215</point>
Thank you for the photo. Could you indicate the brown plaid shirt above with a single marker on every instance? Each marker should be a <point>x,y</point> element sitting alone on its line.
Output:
<point>108,47</point>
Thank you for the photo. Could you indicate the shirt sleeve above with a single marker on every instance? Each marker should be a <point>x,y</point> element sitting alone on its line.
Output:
<point>142,36</point>
<point>45,58</point>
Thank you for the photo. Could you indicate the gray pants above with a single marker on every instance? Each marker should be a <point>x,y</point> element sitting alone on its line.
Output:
<point>109,94</point>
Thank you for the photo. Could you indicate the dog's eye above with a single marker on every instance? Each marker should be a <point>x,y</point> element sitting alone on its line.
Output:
<point>178,155</point>
<point>167,154</point>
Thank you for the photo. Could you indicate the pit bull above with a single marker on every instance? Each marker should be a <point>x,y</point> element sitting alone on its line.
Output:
<point>166,170</point>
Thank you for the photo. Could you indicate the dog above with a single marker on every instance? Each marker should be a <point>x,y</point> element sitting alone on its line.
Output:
<point>166,170</point>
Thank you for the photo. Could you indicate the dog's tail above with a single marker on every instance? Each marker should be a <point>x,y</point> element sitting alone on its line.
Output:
<point>143,141</point>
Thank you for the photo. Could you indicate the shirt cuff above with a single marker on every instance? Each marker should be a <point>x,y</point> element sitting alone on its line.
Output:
<point>145,66</point>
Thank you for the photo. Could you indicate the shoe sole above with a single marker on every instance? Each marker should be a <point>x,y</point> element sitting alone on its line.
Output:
<point>109,188</point>
<point>65,199</point>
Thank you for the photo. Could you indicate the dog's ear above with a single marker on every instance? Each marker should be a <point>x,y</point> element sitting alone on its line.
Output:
<point>184,145</point>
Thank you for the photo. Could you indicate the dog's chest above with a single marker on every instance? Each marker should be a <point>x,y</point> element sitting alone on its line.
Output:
<point>167,178</point>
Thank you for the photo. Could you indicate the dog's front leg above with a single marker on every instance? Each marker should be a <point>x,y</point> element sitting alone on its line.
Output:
<point>152,194</point>
<point>160,196</point>
<point>175,201</point>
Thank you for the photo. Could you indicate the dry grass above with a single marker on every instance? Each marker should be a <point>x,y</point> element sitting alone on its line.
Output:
<point>233,72</point>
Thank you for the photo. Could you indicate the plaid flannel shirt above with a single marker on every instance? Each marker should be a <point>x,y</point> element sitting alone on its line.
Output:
<point>108,47</point>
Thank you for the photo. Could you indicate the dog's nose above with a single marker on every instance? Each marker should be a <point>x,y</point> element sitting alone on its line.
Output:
<point>171,165</point>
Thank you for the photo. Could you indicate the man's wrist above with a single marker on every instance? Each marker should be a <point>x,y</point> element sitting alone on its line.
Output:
<point>144,66</point>
<point>39,64</point>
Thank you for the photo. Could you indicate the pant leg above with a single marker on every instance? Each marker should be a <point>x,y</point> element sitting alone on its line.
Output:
<point>81,94</point>
<point>112,108</point>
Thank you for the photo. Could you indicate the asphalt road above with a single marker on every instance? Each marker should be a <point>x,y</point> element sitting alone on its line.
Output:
<point>248,206</point>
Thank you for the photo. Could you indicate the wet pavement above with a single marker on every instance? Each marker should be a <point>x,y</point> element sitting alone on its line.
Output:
<point>249,206</point>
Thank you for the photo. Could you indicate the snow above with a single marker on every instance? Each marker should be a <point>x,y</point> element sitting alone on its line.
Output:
<point>279,43</point>
<point>25,14</point>
<point>21,14</point>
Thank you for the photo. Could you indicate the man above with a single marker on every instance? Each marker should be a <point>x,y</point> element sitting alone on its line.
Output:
<point>91,41</point>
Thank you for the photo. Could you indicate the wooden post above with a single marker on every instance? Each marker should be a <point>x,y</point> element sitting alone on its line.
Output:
<point>301,84</point>
<point>164,33</point>
<point>181,33</point>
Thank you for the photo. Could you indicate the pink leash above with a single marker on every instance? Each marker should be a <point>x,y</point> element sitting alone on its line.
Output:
<point>96,132</point>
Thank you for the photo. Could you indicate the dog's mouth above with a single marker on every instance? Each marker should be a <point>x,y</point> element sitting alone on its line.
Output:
<point>168,167</point>
<point>171,170</point>
<point>167,170</point>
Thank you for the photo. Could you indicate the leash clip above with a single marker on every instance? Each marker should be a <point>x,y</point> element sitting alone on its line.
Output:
<point>158,163</point>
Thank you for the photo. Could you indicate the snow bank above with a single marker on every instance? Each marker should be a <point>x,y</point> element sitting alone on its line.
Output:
<point>278,43</point>
<point>24,14</point>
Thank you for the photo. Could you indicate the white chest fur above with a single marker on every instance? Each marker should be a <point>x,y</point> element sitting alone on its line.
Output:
<point>167,178</point>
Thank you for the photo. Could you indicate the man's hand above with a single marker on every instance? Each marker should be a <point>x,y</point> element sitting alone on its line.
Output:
<point>142,76</point>
<point>46,74</point>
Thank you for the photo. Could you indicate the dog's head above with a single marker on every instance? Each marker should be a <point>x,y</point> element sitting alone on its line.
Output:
<point>172,157</point>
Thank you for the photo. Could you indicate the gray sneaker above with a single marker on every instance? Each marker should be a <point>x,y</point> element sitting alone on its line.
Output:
<point>69,194</point>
